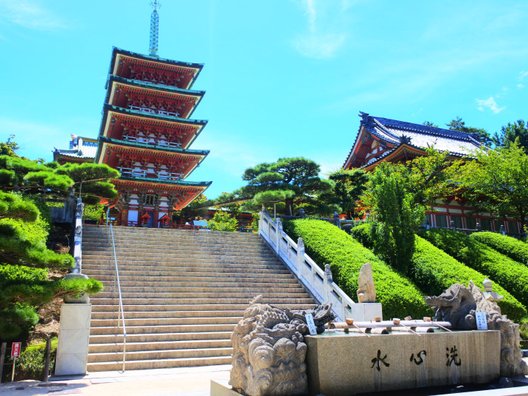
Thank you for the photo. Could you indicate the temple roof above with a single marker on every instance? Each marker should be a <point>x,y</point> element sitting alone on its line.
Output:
<point>153,115</point>
<point>81,149</point>
<point>171,182</point>
<point>155,63</point>
<point>391,135</point>
<point>156,59</point>
<point>105,139</point>
<point>151,85</point>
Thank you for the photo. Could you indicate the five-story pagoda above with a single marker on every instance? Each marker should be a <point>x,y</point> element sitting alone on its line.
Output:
<point>146,133</point>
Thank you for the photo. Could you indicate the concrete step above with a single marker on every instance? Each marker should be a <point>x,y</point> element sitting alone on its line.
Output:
<point>160,354</point>
<point>149,321</point>
<point>220,306</point>
<point>204,287</point>
<point>158,337</point>
<point>108,261</point>
<point>152,301</point>
<point>193,272</point>
<point>160,293</point>
<point>158,364</point>
<point>148,279</point>
<point>159,345</point>
<point>225,314</point>
<point>205,264</point>
<point>151,329</point>
<point>190,276</point>
<point>175,255</point>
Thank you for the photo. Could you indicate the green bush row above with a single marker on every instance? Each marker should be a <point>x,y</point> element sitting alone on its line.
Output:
<point>511,275</point>
<point>433,271</point>
<point>511,247</point>
<point>327,244</point>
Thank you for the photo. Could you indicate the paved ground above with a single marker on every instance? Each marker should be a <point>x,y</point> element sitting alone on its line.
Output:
<point>193,381</point>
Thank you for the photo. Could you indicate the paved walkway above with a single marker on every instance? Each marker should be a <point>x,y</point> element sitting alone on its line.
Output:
<point>192,381</point>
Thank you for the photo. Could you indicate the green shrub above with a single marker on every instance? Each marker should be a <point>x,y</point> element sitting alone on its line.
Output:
<point>511,275</point>
<point>327,244</point>
<point>223,221</point>
<point>93,212</point>
<point>511,247</point>
<point>433,271</point>
<point>30,364</point>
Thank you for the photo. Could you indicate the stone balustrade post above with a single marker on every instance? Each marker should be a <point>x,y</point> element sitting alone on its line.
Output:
<point>278,234</point>
<point>328,280</point>
<point>300,255</point>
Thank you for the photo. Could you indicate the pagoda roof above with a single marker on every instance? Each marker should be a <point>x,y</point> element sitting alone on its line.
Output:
<point>185,183</point>
<point>116,51</point>
<point>151,85</point>
<point>164,117</point>
<point>192,157</point>
<point>188,190</point>
<point>155,60</point>
<point>392,134</point>
<point>152,119</point>
<point>151,147</point>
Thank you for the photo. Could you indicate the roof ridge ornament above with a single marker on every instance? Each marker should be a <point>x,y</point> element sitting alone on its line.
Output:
<point>154,28</point>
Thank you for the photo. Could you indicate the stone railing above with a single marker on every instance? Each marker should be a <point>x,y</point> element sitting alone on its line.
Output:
<point>318,282</point>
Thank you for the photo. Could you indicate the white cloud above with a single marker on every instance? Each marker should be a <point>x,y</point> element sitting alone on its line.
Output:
<point>523,75</point>
<point>323,39</point>
<point>490,104</point>
<point>520,85</point>
<point>30,14</point>
<point>319,46</point>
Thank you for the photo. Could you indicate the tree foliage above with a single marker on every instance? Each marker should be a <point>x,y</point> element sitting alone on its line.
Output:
<point>397,216</point>
<point>496,181</point>
<point>429,177</point>
<point>26,264</point>
<point>223,221</point>
<point>458,124</point>
<point>512,132</point>
<point>349,185</point>
<point>298,175</point>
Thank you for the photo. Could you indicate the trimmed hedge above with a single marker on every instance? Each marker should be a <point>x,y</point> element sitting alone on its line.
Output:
<point>433,271</point>
<point>511,247</point>
<point>326,243</point>
<point>511,275</point>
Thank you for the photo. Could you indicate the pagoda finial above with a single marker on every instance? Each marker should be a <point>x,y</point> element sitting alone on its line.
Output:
<point>154,28</point>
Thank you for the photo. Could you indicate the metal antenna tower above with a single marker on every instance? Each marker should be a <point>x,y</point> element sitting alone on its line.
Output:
<point>154,28</point>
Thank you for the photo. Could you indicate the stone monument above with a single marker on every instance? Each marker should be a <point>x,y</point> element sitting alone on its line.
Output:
<point>367,308</point>
<point>366,291</point>
<point>269,351</point>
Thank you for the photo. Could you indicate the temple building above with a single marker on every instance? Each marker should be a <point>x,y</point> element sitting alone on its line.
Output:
<point>82,149</point>
<point>382,139</point>
<point>146,133</point>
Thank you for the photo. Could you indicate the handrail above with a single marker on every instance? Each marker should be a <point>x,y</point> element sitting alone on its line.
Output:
<point>121,316</point>
<point>318,282</point>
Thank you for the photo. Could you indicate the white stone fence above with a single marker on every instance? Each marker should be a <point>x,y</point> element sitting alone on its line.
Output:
<point>318,282</point>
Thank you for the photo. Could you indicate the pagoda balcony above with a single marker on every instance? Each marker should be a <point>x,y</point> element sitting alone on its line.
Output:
<point>151,110</point>
<point>152,141</point>
<point>144,174</point>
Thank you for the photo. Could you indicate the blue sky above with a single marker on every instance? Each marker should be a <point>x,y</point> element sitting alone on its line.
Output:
<point>282,77</point>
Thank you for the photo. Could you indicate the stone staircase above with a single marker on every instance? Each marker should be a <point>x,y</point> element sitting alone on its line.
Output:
<point>183,293</point>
